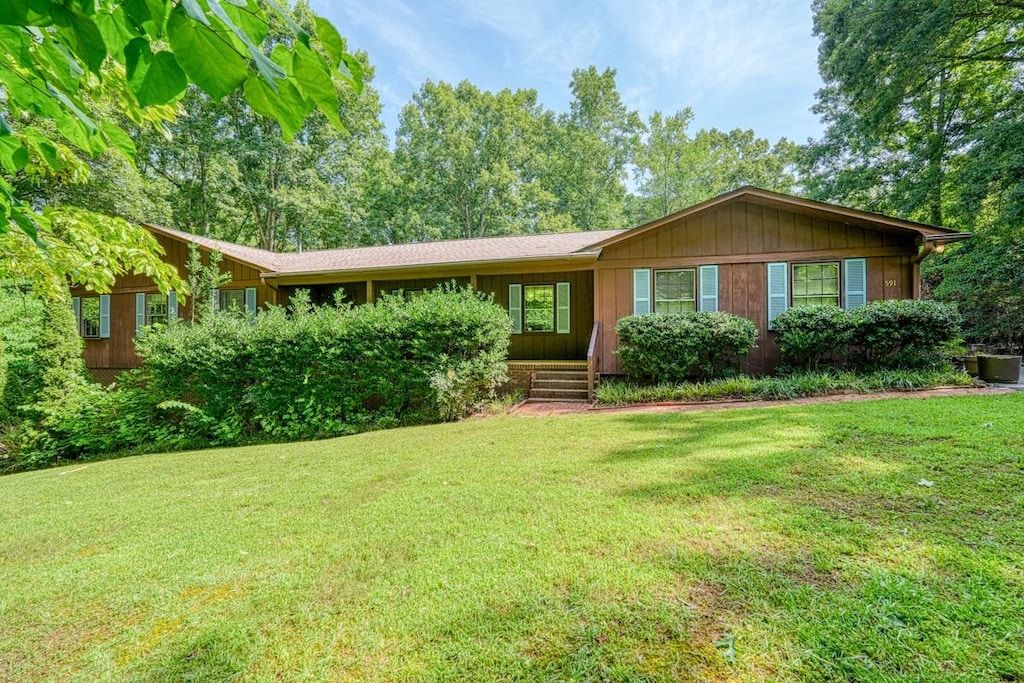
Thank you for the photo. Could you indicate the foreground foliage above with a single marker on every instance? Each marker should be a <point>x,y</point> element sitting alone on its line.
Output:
<point>799,385</point>
<point>313,373</point>
<point>871,541</point>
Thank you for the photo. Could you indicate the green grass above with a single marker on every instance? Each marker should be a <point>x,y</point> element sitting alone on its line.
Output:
<point>770,388</point>
<point>627,547</point>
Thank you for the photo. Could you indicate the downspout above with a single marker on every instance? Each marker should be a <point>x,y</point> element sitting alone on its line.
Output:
<point>922,252</point>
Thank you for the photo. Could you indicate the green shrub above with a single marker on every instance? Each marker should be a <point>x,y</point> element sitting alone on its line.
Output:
<point>335,370</point>
<point>904,333</point>
<point>806,334</point>
<point>21,320</point>
<point>671,347</point>
<point>798,385</point>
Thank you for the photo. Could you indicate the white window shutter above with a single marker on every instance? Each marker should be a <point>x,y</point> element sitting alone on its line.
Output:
<point>642,291</point>
<point>856,284</point>
<point>709,288</point>
<point>104,316</point>
<point>515,307</point>
<point>76,306</point>
<point>140,313</point>
<point>778,290</point>
<point>562,308</point>
<point>172,306</point>
<point>250,300</point>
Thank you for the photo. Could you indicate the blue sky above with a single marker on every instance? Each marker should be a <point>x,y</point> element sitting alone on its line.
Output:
<point>736,63</point>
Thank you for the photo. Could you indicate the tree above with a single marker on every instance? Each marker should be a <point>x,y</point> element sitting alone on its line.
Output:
<point>468,160</point>
<point>589,151</point>
<point>674,171</point>
<point>59,60</point>
<point>923,103</point>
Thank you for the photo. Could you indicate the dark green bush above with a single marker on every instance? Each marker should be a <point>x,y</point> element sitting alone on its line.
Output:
<point>329,371</point>
<point>21,320</point>
<point>903,333</point>
<point>806,334</point>
<point>671,347</point>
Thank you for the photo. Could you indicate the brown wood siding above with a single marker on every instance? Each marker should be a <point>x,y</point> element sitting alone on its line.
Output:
<point>118,351</point>
<point>741,239</point>
<point>549,345</point>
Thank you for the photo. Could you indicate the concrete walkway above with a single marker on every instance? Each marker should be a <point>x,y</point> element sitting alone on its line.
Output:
<point>544,409</point>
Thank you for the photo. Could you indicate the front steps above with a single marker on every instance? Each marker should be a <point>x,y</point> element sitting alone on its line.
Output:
<point>559,385</point>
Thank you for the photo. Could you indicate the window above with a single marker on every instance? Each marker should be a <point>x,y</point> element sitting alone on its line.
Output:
<point>675,291</point>
<point>231,299</point>
<point>89,317</point>
<point>539,308</point>
<point>815,283</point>
<point>156,309</point>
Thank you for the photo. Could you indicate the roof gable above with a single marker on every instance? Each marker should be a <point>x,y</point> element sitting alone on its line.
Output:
<point>800,205</point>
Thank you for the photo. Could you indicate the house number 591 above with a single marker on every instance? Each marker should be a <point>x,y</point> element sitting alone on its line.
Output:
<point>890,283</point>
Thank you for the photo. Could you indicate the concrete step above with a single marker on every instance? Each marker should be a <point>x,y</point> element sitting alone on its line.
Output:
<point>557,400</point>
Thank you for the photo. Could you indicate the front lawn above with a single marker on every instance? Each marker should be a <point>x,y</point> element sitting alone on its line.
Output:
<point>876,541</point>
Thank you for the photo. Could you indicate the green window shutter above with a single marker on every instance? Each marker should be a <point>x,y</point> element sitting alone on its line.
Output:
<point>856,284</point>
<point>140,313</point>
<point>778,290</point>
<point>214,300</point>
<point>642,291</point>
<point>515,307</point>
<point>709,288</point>
<point>76,306</point>
<point>104,316</point>
<point>172,306</point>
<point>562,308</point>
<point>250,300</point>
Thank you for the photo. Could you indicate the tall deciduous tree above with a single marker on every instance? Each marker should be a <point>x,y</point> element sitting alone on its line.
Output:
<point>674,170</point>
<point>590,150</point>
<point>922,101</point>
<point>468,162</point>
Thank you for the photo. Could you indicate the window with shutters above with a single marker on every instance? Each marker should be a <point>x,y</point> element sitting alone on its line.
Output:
<point>156,309</point>
<point>231,299</point>
<point>539,308</point>
<point>815,283</point>
<point>675,291</point>
<point>89,317</point>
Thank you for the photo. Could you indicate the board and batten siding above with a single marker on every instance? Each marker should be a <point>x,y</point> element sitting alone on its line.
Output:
<point>117,352</point>
<point>741,239</point>
<point>549,345</point>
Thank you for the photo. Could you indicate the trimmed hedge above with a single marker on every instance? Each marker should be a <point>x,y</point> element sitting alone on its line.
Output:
<point>671,347</point>
<point>894,334</point>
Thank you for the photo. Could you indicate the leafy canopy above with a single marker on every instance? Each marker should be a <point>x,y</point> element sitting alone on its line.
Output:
<point>55,56</point>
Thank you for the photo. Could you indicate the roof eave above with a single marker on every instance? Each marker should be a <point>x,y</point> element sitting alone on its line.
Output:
<point>582,257</point>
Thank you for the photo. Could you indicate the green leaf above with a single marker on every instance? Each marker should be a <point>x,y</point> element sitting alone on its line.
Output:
<point>5,128</point>
<point>271,72</point>
<point>146,16</point>
<point>352,71</point>
<point>25,12</point>
<point>193,9</point>
<point>206,58</point>
<point>62,64</point>
<point>73,107</point>
<point>84,39</point>
<point>155,79</point>
<point>13,155</point>
<point>286,106</point>
<point>297,30</point>
<point>330,39</point>
<point>311,77</point>
<point>119,139</point>
<point>44,149</point>
<point>117,30</point>
<point>250,20</point>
